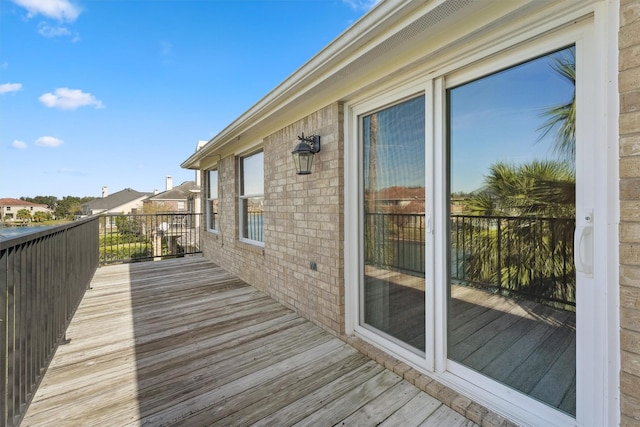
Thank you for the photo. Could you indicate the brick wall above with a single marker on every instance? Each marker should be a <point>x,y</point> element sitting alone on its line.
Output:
<point>303,223</point>
<point>629,83</point>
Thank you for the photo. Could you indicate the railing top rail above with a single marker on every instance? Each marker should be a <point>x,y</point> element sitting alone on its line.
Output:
<point>19,240</point>
<point>146,214</point>
<point>506,217</point>
<point>519,218</point>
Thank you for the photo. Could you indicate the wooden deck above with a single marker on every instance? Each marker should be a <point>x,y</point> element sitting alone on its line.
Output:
<point>525,345</point>
<point>182,342</point>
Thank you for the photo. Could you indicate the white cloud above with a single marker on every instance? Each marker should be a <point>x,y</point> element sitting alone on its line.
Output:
<point>62,10</point>
<point>18,145</point>
<point>10,87</point>
<point>49,141</point>
<point>69,99</point>
<point>48,31</point>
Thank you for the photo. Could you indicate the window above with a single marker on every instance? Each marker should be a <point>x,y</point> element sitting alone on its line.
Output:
<point>251,198</point>
<point>212,201</point>
<point>180,206</point>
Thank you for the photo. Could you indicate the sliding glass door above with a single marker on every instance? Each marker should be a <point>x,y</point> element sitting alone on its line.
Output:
<point>393,289</point>
<point>512,191</point>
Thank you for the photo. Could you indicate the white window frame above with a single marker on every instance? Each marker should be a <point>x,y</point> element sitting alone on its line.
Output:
<point>209,201</point>
<point>242,198</point>
<point>592,407</point>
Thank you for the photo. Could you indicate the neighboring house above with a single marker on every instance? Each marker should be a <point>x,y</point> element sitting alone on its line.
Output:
<point>10,207</point>
<point>174,199</point>
<point>428,94</point>
<point>123,202</point>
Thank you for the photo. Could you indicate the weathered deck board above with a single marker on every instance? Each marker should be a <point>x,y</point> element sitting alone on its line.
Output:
<point>183,343</point>
<point>522,344</point>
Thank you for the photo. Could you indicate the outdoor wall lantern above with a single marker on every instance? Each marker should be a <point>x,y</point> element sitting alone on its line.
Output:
<point>303,153</point>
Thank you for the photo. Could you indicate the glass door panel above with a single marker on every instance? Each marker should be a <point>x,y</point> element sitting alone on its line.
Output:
<point>394,222</point>
<point>512,283</point>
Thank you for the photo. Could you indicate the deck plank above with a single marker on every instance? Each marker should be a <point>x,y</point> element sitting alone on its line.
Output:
<point>184,343</point>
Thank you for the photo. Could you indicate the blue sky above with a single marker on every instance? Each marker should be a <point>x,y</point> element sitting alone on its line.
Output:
<point>493,119</point>
<point>118,93</point>
<point>498,119</point>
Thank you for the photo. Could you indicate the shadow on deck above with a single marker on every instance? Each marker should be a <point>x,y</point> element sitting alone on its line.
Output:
<point>182,342</point>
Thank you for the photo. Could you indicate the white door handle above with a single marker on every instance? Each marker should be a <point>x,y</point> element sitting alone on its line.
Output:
<point>583,249</point>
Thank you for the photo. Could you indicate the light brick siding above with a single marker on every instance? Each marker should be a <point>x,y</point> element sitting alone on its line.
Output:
<point>629,83</point>
<point>303,222</point>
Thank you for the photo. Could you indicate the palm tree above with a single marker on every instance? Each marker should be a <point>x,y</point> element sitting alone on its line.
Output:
<point>537,189</point>
<point>562,118</point>
<point>519,237</point>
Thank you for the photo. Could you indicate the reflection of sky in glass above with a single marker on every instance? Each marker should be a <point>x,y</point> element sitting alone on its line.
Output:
<point>213,184</point>
<point>253,174</point>
<point>400,145</point>
<point>497,119</point>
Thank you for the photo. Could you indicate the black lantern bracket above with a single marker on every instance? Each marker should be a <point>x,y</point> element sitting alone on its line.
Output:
<point>312,141</point>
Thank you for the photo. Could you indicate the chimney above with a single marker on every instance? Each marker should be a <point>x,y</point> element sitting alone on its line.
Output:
<point>169,182</point>
<point>155,191</point>
<point>105,191</point>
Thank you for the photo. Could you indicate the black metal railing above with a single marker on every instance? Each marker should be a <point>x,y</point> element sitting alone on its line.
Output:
<point>528,257</point>
<point>524,257</point>
<point>145,237</point>
<point>43,277</point>
<point>396,241</point>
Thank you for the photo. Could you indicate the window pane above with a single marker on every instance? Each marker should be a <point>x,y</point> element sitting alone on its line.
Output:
<point>213,214</point>
<point>213,184</point>
<point>511,311</point>
<point>253,218</point>
<point>394,233</point>
<point>253,174</point>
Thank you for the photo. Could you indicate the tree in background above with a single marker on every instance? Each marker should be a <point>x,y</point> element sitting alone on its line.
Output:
<point>42,216</point>
<point>64,209</point>
<point>154,208</point>
<point>50,201</point>
<point>23,215</point>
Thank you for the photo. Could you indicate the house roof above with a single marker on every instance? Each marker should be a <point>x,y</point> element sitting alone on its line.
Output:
<point>401,193</point>
<point>179,192</point>
<point>16,202</point>
<point>116,199</point>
